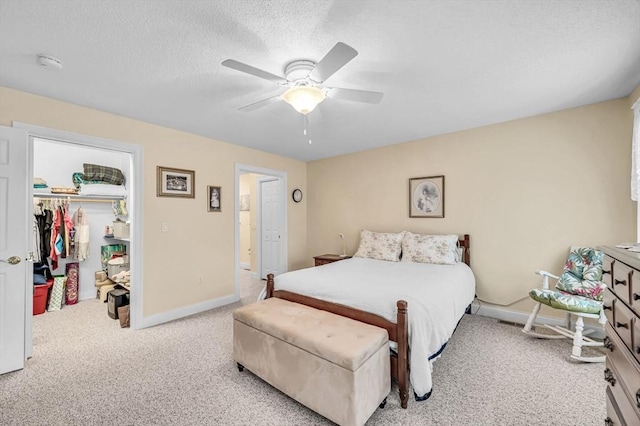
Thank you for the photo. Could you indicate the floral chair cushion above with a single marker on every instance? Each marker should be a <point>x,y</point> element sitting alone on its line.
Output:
<point>381,246</point>
<point>582,274</point>
<point>568,302</point>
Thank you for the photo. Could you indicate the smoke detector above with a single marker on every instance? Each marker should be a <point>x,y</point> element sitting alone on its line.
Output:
<point>50,62</point>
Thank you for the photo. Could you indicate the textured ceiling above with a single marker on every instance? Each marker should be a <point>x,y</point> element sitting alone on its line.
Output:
<point>443,66</point>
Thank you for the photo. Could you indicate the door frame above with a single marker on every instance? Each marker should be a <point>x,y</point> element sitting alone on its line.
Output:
<point>269,173</point>
<point>135,205</point>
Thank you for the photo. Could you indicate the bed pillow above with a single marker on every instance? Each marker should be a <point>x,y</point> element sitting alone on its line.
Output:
<point>438,249</point>
<point>380,246</point>
<point>103,173</point>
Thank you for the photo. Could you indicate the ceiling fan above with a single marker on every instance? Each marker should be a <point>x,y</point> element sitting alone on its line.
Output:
<point>304,78</point>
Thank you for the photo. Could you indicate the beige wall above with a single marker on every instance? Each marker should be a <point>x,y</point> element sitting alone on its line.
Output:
<point>199,242</point>
<point>634,96</point>
<point>524,190</point>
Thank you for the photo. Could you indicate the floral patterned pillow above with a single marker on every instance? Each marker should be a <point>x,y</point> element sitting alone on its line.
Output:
<point>438,249</point>
<point>582,273</point>
<point>381,246</point>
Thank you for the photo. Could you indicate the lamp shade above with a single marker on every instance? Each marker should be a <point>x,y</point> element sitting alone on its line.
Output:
<point>303,98</point>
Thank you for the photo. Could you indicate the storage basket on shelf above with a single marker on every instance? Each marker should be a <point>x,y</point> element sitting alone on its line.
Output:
<point>117,265</point>
<point>116,269</point>
<point>121,229</point>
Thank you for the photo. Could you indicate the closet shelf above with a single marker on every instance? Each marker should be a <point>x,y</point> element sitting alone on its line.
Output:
<point>107,237</point>
<point>96,198</point>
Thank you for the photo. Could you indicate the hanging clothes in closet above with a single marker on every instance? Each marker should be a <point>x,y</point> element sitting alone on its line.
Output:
<point>81,237</point>
<point>60,235</point>
<point>44,222</point>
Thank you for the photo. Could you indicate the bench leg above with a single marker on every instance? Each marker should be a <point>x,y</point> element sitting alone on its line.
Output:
<point>240,367</point>
<point>383,403</point>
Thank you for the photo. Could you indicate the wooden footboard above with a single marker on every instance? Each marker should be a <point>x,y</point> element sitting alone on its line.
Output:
<point>398,331</point>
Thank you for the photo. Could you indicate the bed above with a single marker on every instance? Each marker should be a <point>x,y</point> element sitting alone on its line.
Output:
<point>419,304</point>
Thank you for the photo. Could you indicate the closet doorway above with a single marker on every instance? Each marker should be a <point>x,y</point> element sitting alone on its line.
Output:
<point>256,224</point>
<point>54,156</point>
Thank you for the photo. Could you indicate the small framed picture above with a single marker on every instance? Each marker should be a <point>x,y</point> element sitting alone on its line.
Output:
<point>426,196</point>
<point>214,203</point>
<point>245,202</point>
<point>175,182</point>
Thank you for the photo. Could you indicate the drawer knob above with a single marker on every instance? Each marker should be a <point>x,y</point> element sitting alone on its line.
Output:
<point>622,324</point>
<point>638,398</point>
<point>607,344</point>
<point>605,307</point>
<point>606,272</point>
<point>638,350</point>
<point>622,282</point>
<point>636,296</point>
<point>608,376</point>
<point>608,422</point>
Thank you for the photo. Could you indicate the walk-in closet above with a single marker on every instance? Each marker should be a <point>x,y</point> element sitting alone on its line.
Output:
<point>81,232</point>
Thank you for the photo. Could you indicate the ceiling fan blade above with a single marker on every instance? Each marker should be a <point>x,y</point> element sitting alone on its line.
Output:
<point>260,104</point>
<point>354,95</point>
<point>337,57</point>
<point>239,66</point>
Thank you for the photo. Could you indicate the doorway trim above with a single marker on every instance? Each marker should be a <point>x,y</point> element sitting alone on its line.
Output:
<point>135,205</point>
<point>246,168</point>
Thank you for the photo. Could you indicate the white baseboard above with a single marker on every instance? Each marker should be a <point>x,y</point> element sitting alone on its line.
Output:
<point>244,265</point>
<point>521,318</point>
<point>175,314</point>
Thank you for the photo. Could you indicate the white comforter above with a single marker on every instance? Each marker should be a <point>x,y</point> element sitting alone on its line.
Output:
<point>437,296</point>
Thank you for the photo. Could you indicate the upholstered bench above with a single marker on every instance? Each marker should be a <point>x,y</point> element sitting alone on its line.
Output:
<point>334,365</point>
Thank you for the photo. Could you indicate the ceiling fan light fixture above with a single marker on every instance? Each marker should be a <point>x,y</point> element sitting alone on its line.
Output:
<point>303,99</point>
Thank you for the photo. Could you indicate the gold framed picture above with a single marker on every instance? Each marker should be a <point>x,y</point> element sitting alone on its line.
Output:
<point>172,182</point>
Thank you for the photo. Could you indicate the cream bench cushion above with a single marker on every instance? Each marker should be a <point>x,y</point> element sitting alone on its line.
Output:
<point>334,365</point>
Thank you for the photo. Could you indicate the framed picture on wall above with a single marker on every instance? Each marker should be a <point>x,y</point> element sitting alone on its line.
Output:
<point>245,202</point>
<point>175,182</point>
<point>214,199</point>
<point>426,196</point>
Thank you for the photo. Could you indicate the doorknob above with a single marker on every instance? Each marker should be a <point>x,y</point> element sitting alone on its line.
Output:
<point>13,260</point>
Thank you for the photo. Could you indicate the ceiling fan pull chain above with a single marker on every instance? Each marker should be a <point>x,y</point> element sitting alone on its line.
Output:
<point>306,125</point>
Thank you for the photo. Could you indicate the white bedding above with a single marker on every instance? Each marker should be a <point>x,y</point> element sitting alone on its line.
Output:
<point>103,189</point>
<point>436,295</point>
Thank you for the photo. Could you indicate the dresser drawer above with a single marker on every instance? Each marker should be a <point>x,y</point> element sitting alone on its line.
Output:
<point>635,291</point>
<point>613,415</point>
<point>608,305</point>
<point>607,268</point>
<point>620,410</point>
<point>636,338</point>
<point>623,374</point>
<point>621,284</point>
<point>623,322</point>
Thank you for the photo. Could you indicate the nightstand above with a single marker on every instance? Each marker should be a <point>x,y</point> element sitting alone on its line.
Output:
<point>329,258</point>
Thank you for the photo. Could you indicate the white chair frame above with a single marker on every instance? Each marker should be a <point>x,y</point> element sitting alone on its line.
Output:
<point>578,335</point>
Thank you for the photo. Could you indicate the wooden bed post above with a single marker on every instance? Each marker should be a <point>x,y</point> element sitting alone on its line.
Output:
<point>270,284</point>
<point>403,351</point>
<point>467,258</point>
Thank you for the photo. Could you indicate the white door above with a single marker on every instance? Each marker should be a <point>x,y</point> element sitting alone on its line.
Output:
<point>13,247</point>
<point>270,220</point>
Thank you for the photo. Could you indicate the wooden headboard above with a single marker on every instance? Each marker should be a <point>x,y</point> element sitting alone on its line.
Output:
<point>464,245</point>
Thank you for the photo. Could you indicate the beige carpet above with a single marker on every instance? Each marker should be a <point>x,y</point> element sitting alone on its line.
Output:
<point>86,370</point>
